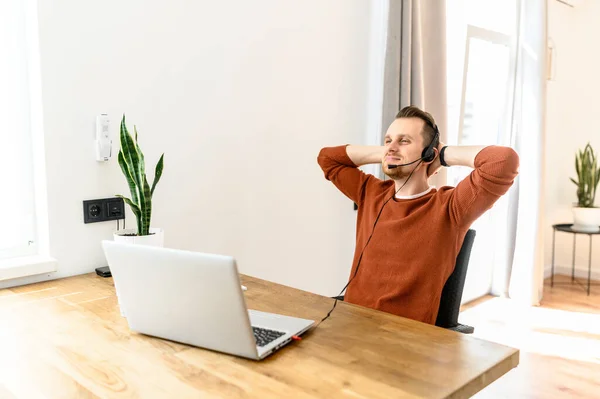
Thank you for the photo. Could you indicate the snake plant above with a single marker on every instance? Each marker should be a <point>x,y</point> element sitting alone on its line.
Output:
<point>131,160</point>
<point>588,175</point>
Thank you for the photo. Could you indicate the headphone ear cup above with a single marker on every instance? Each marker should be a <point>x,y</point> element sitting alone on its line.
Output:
<point>428,154</point>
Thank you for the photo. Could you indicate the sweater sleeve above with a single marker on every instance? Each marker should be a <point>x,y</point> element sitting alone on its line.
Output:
<point>495,170</point>
<point>342,172</point>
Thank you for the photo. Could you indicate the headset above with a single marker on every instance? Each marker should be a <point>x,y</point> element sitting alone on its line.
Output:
<point>427,155</point>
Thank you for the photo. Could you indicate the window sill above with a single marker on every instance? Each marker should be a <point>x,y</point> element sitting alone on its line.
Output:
<point>26,266</point>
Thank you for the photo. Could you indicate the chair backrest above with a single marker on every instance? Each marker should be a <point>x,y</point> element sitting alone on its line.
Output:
<point>453,289</point>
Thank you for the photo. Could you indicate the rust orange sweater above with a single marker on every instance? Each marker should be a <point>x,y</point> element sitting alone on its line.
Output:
<point>416,241</point>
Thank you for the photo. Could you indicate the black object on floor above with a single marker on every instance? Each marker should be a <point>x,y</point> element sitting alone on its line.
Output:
<point>103,271</point>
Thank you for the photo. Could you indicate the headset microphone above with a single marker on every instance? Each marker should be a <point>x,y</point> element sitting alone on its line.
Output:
<point>404,164</point>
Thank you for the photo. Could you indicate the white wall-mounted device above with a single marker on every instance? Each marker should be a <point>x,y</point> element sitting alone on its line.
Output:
<point>103,139</point>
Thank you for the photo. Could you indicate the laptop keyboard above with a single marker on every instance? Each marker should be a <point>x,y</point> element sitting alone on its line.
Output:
<point>263,336</point>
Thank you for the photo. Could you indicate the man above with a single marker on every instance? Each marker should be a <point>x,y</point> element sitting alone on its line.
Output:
<point>409,234</point>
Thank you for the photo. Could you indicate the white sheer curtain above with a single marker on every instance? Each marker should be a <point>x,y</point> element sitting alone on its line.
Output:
<point>496,91</point>
<point>17,200</point>
<point>526,216</point>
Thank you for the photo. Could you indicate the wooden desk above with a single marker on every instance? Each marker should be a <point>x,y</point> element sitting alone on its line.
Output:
<point>66,339</point>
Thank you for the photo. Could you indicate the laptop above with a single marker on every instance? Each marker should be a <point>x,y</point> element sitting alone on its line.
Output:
<point>196,299</point>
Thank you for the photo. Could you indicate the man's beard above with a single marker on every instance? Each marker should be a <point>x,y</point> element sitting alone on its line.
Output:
<point>399,173</point>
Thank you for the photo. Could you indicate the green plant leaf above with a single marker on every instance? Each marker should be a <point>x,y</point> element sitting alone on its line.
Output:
<point>145,197</point>
<point>157,173</point>
<point>134,208</point>
<point>130,154</point>
<point>129,177</point>
<point>146,210</point>
<point>142,164</point>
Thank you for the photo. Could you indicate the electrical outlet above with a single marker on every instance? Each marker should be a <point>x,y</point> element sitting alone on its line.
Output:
<point>102,210</point>
<point>115,209</point>
<point>92,211</point>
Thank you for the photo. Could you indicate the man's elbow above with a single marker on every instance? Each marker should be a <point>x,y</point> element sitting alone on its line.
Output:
<point>322,158</point>
<point>501,163</point>
<point>326,162</point>
<point>321,154</point>
<point>511,160</point>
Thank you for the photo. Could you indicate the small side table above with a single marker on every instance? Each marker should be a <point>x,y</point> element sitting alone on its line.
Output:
<point>567,228</point>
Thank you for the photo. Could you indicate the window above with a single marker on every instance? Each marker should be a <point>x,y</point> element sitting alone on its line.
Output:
<point>482,43</point>
<point>23,219</point>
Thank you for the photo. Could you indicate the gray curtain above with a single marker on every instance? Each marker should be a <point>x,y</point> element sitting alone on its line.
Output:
<point>415,63</point>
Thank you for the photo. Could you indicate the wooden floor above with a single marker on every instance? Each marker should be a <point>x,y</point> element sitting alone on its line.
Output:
<point>559,342</point>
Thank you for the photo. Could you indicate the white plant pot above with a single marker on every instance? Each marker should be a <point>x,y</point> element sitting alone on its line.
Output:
<point>155,239</point>
<point>586,220</point>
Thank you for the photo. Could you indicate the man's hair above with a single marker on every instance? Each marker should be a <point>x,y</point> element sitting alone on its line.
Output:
<point>428,132</point>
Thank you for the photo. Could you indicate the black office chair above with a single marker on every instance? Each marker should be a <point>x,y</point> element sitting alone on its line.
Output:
<point>452,293</point>
<point>453,289</point>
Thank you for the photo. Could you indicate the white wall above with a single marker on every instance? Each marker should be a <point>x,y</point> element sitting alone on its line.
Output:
<point>240,96</point>
<point>572,112</point>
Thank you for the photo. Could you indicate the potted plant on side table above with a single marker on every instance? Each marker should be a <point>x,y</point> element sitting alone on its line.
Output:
<point>586,216</point>
<point>132,163</point>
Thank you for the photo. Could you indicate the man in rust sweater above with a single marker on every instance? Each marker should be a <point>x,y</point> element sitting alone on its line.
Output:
<point>409,234</point>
